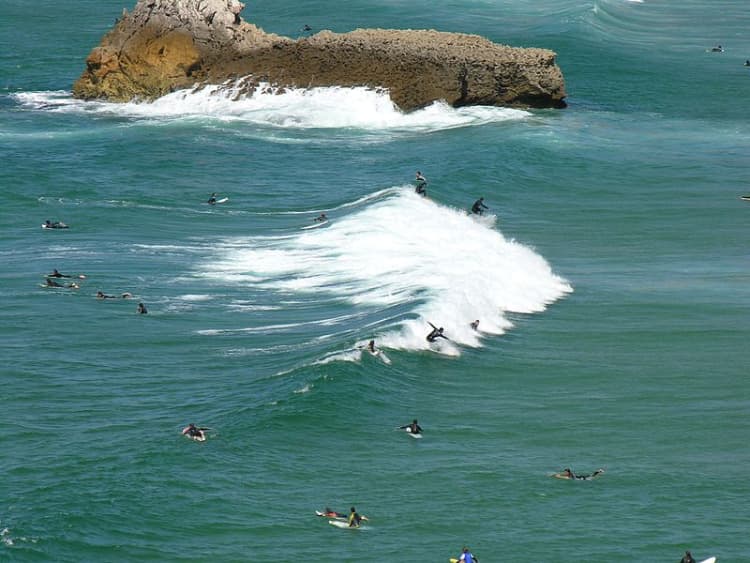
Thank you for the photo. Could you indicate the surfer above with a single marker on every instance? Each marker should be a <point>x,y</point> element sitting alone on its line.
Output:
<point>479,206</point>
<point>53,283</point>
<point>413,428</point>
<point>354,518</point>
<point>435,333</point>
<point>467,556</point>
<point>568,474</point>
<point>56,274</point>
<point>330,513</point>
<point>371,347</point>
<point>717,49</point>
<point>192,431</point>
<point>102,295</point>
<point>688,558</point>
<point>212,199</point>
<point>474,324</point>
<point>421,184</point>
<point>321,218</point>
<point>141,309</point>
<point>56,225</point>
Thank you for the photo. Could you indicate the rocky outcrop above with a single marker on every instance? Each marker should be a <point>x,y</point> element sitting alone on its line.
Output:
<point>164,45</point>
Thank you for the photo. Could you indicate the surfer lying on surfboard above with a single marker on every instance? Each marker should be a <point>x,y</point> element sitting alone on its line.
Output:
<point>56,274</point>
<point>192,431</point>
<point>56,225</point>
<point>568,474</point>
<point>52,283</point>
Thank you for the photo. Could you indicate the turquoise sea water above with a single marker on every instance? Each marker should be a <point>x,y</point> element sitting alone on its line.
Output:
<point>610,279</point>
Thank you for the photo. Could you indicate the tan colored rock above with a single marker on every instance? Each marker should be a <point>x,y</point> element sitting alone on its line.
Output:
<point>165,45</point>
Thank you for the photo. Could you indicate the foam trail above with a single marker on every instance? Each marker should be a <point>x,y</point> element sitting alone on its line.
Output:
<point>356,108</point>
<point>403,249</point>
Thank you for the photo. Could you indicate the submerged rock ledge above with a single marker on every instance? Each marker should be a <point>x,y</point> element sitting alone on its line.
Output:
<point>167,45</point>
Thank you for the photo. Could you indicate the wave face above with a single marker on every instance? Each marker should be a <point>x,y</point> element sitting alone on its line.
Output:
<point>397,248</point>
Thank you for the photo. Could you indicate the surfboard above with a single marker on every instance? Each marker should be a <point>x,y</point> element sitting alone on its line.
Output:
<point>222,200</point>
<point>452,560</point>
<point>59,226</point>
<point>315,225</point>
<point>342,524</point>
<point>745,197</point>
<point>709,560</point>
<point>381,356</point>
<point>416,435</point>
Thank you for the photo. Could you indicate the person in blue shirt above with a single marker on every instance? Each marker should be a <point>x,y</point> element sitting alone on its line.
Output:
<point>467,556</point>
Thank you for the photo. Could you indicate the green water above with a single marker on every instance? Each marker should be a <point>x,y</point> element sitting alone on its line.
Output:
<point>610,279</point>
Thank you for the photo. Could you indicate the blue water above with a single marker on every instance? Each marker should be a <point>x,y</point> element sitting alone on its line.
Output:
<point>610,277</point>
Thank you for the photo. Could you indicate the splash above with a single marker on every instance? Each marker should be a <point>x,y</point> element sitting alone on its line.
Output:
<point>356,108</point>
<point>402,250</point>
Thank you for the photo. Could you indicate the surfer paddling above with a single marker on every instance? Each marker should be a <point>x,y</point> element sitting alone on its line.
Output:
<point>320,218</point>
<point>56,225</point>
<point>52,283</point>
<point>568,474</point>
<point>56,274</point>
<point>197,434</point>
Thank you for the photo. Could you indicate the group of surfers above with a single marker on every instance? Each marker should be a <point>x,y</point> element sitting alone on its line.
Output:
<point>421,188</point>
<point>52,281</point>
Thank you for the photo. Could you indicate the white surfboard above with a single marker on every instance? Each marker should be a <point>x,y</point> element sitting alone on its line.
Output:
<point>709,560</point>
<point>315,225</point>
<point>222,200</point>
<point>342,524</point>
<point>381,356</point>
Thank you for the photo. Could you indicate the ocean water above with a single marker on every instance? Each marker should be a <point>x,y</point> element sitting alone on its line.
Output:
<point>610,277</point>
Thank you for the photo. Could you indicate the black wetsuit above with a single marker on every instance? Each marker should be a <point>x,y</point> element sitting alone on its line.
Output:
<point>478,206</point>
<point>435,334</point>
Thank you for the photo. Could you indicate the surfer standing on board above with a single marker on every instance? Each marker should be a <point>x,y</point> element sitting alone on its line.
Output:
<point>421,184</point>
<point>435,333</point>
<point>479,206</point>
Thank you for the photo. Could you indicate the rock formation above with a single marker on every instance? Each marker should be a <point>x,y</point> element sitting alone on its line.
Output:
<point>165,45</point>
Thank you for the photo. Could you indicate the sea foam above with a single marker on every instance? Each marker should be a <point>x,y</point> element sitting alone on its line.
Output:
<point>357,108</point>
<point>445,266</point>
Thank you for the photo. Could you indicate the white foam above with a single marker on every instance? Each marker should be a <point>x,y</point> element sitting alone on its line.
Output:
<point>293,108</point>
<point>404,249</point>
